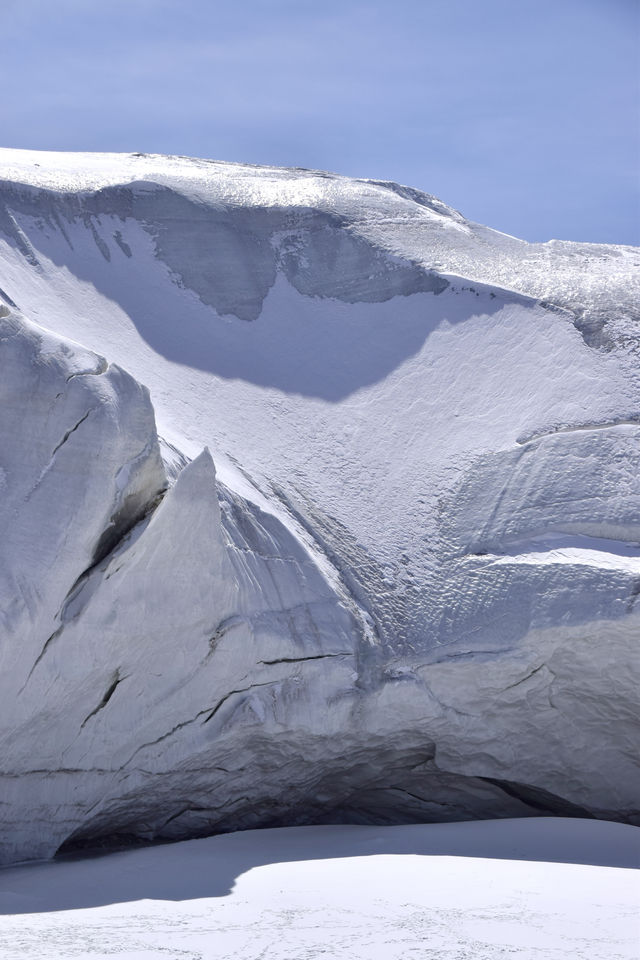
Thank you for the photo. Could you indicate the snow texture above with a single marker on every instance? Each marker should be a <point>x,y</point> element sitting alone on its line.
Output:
<point>536,889</point>
<point>407,589</point>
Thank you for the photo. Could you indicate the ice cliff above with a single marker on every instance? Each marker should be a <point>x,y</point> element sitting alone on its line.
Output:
<point>407,589</point>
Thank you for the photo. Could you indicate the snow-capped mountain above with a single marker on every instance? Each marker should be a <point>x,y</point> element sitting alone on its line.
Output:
<point>405,591</point>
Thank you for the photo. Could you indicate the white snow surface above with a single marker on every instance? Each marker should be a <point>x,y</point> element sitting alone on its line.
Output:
<point>407,588</point>
<point>536,890</point>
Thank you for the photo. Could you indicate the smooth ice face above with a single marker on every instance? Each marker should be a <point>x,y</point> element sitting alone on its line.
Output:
<point>134,612</point>
<point>80,463</point>
<point>407,589</point>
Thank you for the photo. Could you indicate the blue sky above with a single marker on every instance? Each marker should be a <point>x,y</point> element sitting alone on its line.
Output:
<point>523,115</point>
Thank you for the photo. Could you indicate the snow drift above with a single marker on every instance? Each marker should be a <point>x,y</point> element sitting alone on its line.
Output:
<point>535,887</point>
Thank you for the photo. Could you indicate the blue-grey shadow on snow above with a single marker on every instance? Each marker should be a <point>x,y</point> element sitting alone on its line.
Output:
<point>196,869</point>
<point>293,300</point>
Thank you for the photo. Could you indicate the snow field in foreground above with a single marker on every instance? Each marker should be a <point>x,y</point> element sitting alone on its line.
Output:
<point>480,891</point>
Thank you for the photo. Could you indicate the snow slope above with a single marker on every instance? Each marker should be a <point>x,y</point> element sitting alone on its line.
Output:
<point>558,890</point>
<point>425,437</point>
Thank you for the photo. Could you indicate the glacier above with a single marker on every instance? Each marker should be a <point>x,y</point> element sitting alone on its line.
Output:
<point>320,505</point>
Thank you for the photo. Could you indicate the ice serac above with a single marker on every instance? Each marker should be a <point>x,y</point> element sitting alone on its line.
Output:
<point>139,623</point>
<point>408,589</point>
<point>80,464</point>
